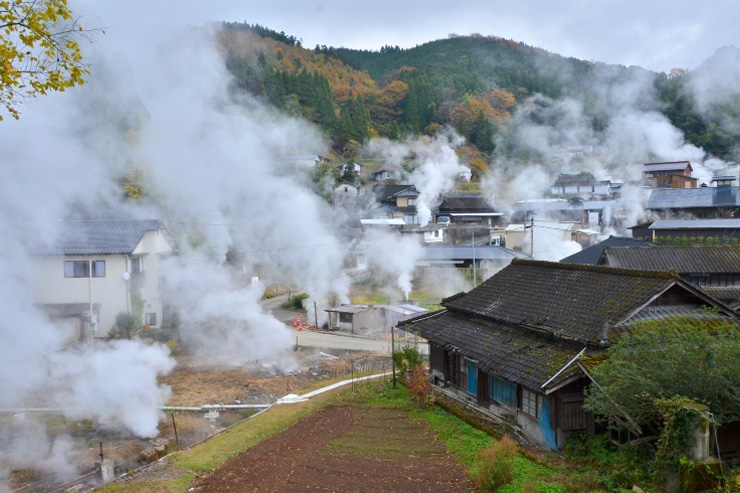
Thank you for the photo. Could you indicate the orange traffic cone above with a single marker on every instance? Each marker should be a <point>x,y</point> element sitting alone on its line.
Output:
<point>300,323</point>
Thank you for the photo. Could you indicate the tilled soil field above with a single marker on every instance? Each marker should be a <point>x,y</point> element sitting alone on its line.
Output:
<point>344,449</point>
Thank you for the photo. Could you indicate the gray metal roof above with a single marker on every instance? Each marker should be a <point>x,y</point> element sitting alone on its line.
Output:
<point>688,198</point>
<point>696,224</point>
<point>449,252</point>
<point>100,237</point>
<point>564,205</point>
<point>347,309</point>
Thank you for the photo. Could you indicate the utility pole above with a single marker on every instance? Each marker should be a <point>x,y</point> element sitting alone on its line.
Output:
<point>393,353</point>
<point>531,248</point>
<point>475,274</point>
<point>89,294</point>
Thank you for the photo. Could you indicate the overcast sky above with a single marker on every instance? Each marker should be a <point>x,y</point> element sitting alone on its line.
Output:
<point>657,35</point>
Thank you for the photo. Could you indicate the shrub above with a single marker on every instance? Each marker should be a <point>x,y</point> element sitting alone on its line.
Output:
<point>295,302</point>
<point>406,359</point>
<point>497,465</point>
<point>125,327</point>
<point>418,384</point>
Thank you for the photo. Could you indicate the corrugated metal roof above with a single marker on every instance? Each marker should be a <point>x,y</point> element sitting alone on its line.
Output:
<point>728,224</point>
<point>691,198</point>
<point>100,237</point>
<point>671,166</point>
<point>447,252</point>
<point>347,309</point>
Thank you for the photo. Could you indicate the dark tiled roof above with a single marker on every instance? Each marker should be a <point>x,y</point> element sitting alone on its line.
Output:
<point>465,202</point>
<point>100,237</point>
<point>383,193</point>
<point>507,351</point>
<point>685,198</point>
<point>730,294</point>
<point>591,254</point>
<point>409,192</point>
<point>389,166</point>
<point>663,312</point>
<point>578,302</point>
<point>684,259</point>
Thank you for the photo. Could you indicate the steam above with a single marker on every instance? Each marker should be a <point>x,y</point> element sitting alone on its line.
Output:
<point>393,255</point>
<point>438,166</point>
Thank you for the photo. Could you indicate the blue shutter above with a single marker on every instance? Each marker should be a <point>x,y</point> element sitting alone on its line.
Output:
<point>472,378</point>
<point>502,391</point>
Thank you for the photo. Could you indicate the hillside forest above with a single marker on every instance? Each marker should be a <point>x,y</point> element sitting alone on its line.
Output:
<point>472,83</point>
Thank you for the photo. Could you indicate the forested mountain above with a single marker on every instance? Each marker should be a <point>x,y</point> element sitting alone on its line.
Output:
<point>472,83</point>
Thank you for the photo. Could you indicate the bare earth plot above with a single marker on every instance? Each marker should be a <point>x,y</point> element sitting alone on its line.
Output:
<point>344,449</point>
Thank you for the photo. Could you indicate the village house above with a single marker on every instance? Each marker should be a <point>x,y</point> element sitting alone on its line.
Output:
<point>431,233</point>
<point>690,231</point>
<point>582,185</point>
<point>703,202</point>
<point>519,345</point>
<point>395,205</point>
<point>674,174</point>
<point>109,265</point>
<point>357,168</point>
<point>387,171</point>
<point>714,269</point>
<point>370,320</point>
<point>594,213</point>
<point>468,208</point>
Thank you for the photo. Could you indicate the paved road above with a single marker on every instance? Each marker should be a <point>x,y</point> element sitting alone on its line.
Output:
<point>326,340</point>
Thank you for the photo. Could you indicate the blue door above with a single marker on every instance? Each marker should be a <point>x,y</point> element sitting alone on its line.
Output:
<point>472,378</point>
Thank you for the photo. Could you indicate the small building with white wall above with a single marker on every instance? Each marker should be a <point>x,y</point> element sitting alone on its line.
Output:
<point>103,266</point>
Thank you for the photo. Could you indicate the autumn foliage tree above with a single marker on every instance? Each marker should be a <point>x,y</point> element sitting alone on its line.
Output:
<point>39,50</point>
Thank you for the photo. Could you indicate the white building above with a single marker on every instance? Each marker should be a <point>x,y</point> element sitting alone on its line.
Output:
<point>110,266</point>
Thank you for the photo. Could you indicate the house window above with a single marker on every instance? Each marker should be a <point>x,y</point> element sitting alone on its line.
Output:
<point>502,391</point>
<point>345,318</point>
<point>410,219</point>
<point>150,319</point>
<point>412,201</point>
<point>137,265</point>
<point>81,268</point>
<point>531,403</point>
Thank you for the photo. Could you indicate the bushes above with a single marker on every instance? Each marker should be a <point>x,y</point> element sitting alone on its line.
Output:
<point>295,302</point>
<point>497,465</point>
<point>418,384</point>
<point>126,326</point>
<point>406,359</point>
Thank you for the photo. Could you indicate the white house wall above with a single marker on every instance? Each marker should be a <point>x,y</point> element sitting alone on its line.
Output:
<point>50,287</point>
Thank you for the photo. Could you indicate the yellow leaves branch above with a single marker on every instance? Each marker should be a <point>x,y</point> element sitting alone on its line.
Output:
<point>38,51</point>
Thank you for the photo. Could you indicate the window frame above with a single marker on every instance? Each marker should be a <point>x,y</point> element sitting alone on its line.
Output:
<point>150,319</point>
<point>526,405</point>
<point>80,269</point>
